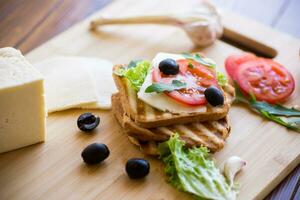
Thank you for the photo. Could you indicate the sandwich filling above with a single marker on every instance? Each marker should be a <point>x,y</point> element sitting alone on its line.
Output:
<point>176,90</point>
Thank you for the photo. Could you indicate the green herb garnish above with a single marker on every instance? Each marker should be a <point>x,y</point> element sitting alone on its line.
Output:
<point>222,79</point>
<point>276,113</point>
<point>191,66</point>
<point>193,171</point>
<point>200,59</point>
<point>135,72</point>
<point>165,87</point>
<point>133,63</point>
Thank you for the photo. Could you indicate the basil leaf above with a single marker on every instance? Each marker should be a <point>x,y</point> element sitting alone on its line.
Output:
<point>277,109</point>
<point>295,122</point>
<point>271,112</point>
<point>162,87</point>
<point>200,59</point>
<point>278,120</point>
<point>191,66</point>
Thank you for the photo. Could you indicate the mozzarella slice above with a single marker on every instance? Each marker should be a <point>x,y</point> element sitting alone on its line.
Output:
<point>160,100</point>
<point>77,82</point>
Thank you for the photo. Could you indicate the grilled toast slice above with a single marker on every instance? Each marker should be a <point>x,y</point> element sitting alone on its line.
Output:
<point>211,134</point>
<point>147,116</point>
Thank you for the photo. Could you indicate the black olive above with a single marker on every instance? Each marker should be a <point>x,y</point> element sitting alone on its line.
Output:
<point>87,122</point>
<point>214,96</point>
<point>168,67</point>
<point>137,168</point>
<point>95,153</point>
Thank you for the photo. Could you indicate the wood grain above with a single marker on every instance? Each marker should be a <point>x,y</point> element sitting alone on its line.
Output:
<point>17,30</point>
<point>20,28</point>
<point>24,30</point>
<point>54,169</point>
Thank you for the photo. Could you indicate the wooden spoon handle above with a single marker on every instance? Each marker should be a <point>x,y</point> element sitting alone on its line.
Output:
<point>157,19</point>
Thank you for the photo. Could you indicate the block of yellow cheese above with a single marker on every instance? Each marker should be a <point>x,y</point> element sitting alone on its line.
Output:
<point>22,105</point>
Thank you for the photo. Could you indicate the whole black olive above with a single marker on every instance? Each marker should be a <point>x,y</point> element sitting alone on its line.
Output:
<point>168,67</point>
<point>95,153</point>
<point>137,168</point>
<point>214,96</point>
<point>87,122</point>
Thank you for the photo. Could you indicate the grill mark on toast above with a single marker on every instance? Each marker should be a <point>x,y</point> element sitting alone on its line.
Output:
<point>218,128</point>
<point>213,128</point>
<point>208,134</point>
<point>163,130</point>
<point>204,137</point>
<point>185,131</point>
<point>211,137</point>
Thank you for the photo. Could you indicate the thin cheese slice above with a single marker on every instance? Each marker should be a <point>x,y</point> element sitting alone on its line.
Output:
<point>101,71</point>
<point>160,100</point>
<point>77,82</point>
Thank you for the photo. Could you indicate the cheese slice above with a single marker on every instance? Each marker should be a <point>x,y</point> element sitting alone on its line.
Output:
<point>22,104</point>
<point>160,100</point>
<point>67,86</point>
<point>77,82</point>
<point>101,71</point>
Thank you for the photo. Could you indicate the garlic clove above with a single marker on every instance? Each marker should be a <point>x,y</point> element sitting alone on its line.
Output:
<point>231,167</point>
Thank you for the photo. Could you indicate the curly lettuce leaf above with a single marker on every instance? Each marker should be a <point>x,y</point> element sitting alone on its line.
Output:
<point>191,170</point>
<point>222,79</point>
<point>135,73</point>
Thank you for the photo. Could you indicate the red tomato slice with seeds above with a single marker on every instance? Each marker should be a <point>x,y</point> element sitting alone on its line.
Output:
<point>266,79</point>
<point>234,61</point>
<point>196,76</point>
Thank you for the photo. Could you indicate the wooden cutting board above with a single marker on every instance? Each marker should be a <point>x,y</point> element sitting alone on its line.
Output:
<point>54,169</point>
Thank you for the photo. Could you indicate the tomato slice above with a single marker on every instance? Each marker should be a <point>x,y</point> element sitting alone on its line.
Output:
<point>196,76</point>
<point>266,79</point>
<point>234,61</point>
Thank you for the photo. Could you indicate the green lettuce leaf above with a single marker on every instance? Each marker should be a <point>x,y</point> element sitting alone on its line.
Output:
<point>135,72</point>
<point>222,79</point>
<point>192,170</point>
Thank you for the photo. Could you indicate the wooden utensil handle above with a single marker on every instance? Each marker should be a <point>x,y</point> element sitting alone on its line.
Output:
<point>157,19</point>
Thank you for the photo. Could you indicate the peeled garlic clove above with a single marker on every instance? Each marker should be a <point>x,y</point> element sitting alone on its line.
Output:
<point>232,166</point>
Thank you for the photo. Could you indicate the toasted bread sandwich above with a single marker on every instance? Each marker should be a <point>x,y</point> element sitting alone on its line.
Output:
<point>150,110</point>
<point>181,94</point>
<point>211,134</point>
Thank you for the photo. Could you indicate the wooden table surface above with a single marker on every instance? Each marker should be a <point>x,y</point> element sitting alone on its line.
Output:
<point>25,24</point>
